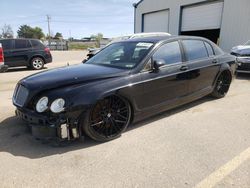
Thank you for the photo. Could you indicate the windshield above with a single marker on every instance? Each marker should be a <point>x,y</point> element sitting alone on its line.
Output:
<point>248,43</point>
<point>122,54</point>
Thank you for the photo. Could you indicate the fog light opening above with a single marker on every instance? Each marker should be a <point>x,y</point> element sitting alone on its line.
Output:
<point>64,133</point>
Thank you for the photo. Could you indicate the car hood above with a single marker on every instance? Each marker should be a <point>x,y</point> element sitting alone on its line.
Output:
<point>241,50</point>
<point>70,75</point>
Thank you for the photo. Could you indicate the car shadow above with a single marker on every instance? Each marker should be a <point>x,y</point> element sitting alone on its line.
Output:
<point>243,76</point>
<point>15,137</point>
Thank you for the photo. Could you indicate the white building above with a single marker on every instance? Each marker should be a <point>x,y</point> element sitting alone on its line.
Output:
<point>227,22</point>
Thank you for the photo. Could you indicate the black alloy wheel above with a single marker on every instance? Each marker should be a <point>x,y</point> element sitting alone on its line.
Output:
<point>222,85</point>
<point>108,119</point>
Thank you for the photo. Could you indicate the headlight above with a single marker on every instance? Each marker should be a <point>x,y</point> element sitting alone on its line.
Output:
<point>42,104</point>
<point>57,105</point>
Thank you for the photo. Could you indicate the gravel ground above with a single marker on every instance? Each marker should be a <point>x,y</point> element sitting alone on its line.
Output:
<point>205,143</point>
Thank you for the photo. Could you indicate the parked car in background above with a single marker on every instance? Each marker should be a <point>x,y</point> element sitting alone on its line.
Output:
<point>93,51</point>
<point>242,53</point>
<point>25,52</point>
<point>125,82</point>
<point>3,67</point>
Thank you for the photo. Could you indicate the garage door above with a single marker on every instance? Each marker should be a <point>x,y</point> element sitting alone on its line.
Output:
<point>202,17</point>
<point>156,21</point>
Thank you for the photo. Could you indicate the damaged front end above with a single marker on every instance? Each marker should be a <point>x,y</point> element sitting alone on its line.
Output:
<point>45,118</point>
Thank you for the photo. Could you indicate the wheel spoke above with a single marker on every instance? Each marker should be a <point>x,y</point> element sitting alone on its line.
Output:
<point>99,123</point>
<point>119,121</point>
<point>114,125</point>
<point>121,116</point>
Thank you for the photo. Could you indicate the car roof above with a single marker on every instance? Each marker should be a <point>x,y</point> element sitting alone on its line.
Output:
<point>153,39</point>
<point>156,39</point>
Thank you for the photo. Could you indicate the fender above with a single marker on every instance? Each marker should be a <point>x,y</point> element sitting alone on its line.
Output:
<point>35,55</point>
<point>223,67</point>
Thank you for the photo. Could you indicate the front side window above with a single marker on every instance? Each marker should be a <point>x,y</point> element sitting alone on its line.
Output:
<point>122,54</point>
<point>195,49</point>
<point>169,53</point>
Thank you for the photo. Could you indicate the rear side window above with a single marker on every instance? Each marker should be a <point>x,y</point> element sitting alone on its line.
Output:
<point>210,50</point>
<point>170,53</point>
<point>195,49</point>
<point>36,44</point>
<point>19,44</point>
<point>6,44</point>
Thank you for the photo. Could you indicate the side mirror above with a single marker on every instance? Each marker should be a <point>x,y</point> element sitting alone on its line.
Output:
<point>84,61</point>
<point>158,63</point>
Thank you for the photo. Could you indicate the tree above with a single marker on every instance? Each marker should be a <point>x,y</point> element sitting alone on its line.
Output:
<point>6,32</point>
<point>70,38</point>
<point>26,31</point>
<point>58,35</point>
<point>98,38</point>
<point>37,33</point>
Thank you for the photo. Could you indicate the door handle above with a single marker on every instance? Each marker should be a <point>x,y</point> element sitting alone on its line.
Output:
<point>184,68</point>
<point>214,61</point>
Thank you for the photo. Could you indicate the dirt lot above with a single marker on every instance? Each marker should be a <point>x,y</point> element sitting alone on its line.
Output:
<point>203,144</point>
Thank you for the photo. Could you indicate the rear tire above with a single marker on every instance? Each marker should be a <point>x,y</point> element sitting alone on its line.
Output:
<point>107,119</point>
<point>37,63</point>
<point>222,85</point>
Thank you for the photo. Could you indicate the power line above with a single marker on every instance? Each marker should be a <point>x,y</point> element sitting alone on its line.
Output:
<point>91,22</point>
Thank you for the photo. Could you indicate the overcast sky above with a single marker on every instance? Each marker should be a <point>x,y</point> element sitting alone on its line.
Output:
<point>78,18</point>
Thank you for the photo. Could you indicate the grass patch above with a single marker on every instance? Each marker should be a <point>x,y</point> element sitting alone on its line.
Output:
<point>74,46</point>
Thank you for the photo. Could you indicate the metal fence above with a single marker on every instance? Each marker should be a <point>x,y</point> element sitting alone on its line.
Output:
<point>57,45</point>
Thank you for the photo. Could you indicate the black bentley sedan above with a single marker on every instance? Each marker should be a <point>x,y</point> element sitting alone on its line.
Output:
<point>125,82</point>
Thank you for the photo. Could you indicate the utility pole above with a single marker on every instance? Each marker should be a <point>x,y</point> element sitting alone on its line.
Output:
<point>70,34</point>
<point>48,20</point>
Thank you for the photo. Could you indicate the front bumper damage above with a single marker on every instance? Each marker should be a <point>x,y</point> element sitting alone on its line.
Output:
<point>243,64</point>
<point>62,127</point>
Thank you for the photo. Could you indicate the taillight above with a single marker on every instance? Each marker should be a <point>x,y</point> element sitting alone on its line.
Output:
<point>47,50</point>
<point>1,54</point>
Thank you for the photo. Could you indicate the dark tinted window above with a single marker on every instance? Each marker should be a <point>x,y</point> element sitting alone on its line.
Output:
<point>195,49</point>
<point>36,44</point>
<point>122,54</point>
<point>169,53</point>
<point>22,44</point>
<point>209,49</point>
<point>6,44</point>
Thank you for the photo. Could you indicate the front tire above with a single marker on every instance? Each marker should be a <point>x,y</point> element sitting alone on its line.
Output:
<point>107,119</point>
<point>37,63</point>
<point>222,85</point>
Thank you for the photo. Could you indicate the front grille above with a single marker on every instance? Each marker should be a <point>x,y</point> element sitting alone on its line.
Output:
<point>20,95</point>
<point>244,66</point>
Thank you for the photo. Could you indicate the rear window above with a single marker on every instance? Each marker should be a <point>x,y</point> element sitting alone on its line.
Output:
<point>195,49</point>
<point>19,44</point>
<point>36,44</point>
<point>6,44</point>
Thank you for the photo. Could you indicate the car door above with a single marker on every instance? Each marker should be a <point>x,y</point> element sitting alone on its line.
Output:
<point>20,52</point>
<point>7,48</point>
<point>201,63</point>
<point>169,83</point>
